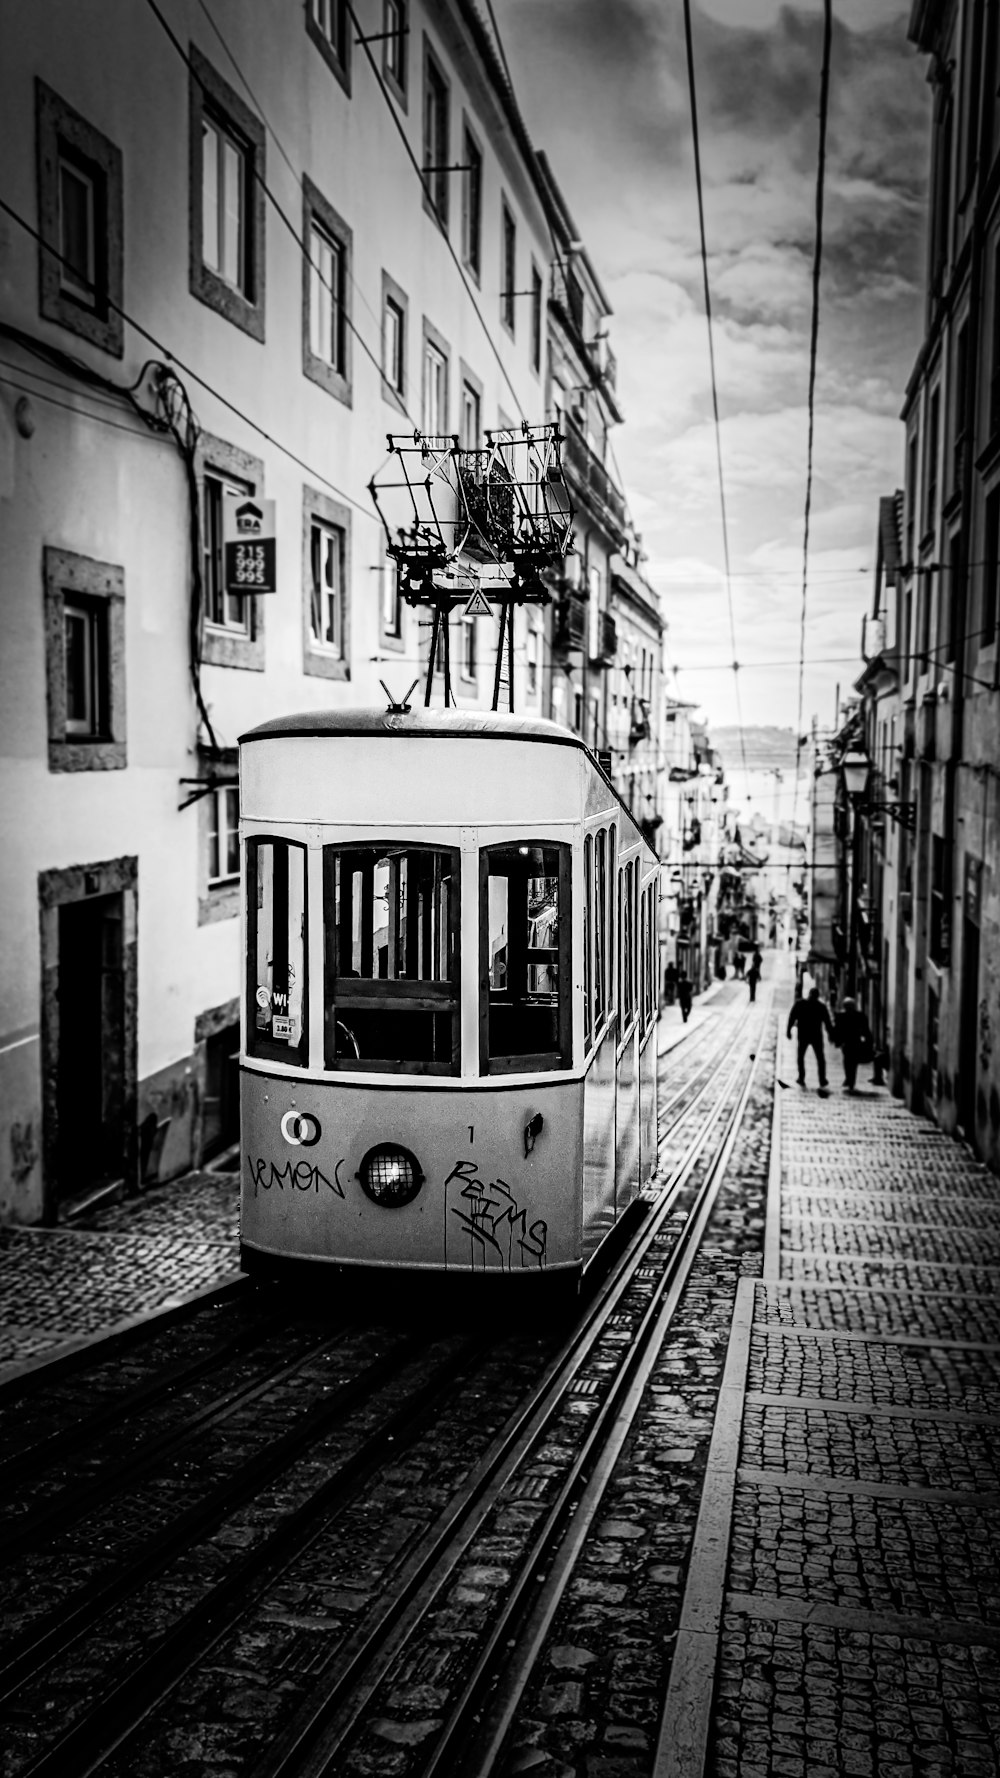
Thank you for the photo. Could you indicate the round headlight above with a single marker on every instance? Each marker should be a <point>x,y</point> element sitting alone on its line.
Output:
<point>390,1175</point>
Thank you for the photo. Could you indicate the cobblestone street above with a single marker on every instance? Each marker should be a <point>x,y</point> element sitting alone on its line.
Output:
<point>842,1609</point>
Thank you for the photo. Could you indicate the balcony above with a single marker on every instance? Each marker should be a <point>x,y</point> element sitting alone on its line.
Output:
<point>570,623</point>
<point>592,482</point>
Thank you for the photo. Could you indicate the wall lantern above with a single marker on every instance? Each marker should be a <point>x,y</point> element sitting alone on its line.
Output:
<point>855,767</point>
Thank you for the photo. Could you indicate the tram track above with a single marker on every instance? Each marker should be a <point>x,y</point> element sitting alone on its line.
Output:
<point>110,1734</point>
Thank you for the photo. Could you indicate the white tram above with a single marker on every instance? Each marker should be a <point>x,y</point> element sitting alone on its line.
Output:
<point>448,1056</point>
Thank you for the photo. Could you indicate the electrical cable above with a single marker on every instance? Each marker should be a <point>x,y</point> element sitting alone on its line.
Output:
<point>824,106</point>
<point>689,44</point>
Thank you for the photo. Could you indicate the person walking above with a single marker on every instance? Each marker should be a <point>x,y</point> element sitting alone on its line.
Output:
<point>669,984</point>
<point>753,976</point>
<point>684,991</point>
<point>809,1016</point>
<point>853,1033</point>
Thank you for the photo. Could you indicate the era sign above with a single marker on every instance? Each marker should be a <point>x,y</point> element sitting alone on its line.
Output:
<point>249,550</point>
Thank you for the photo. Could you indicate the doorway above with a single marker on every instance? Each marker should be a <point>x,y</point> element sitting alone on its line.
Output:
<point>88,932</point>
<point>968,1060</point>
<point>221,1102</point>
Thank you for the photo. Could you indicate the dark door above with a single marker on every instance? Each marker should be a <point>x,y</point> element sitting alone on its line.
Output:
<point>91,1065</point>
<point>221,1109</point>
<point>969,1026</point>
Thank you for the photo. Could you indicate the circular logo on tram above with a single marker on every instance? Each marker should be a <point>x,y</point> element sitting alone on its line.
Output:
<point>300,1129</point>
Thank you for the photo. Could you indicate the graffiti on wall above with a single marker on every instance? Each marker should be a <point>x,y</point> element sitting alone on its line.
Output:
<point>498,1228</point>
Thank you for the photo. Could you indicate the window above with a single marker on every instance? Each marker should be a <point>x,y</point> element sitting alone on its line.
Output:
<point>225,611</point>
<point>959,399</point>
<point>468,665</point>
<point>531,679</point>
<point>990,602</point>
<point>233,623</point>
<point>328,24</point>
<point>940,930</point>
<point>588,939</point>
<point>931,462</point>
<point>995,343</point>
<point>536,318</point>
<point>394,45</point>
<point>85,662</point>
<point>227,200</point>
<point>925,611</point>
<point>470,418</point>
<point>434,403</point>
<point>277,1008</point>
<point>326,342</point>
<point>392,958</point>
<point>394,346</point>
<point>326,608</point>
<point>626,943</point>
<point>508,266</point>
<point>953,616</point>
<point>912,458</point>
<point>392,603</point>
<point>436,138</point>
<point>326,580</point>
<point>223,834</point>
<point>80,224</point>
<point>525,936</point>
<point>472,203</point>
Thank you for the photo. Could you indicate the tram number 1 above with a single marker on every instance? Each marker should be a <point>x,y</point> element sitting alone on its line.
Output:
<point>472,1132</point>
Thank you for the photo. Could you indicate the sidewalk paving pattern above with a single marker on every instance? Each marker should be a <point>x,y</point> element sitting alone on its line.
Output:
<point>842,1609</point>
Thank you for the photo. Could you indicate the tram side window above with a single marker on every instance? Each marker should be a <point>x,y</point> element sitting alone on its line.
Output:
<point>277,1015</point>
<point>600,928</point>
<point>588,931</point>
<point>626,941</point>
<point>391,958</point>
<point>525,927</point>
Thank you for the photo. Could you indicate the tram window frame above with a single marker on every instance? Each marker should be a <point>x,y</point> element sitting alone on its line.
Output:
<point>259,1044</point>
<point>383,994</point>
<point>626,944</point>
<point>588,941</point>
<point>530,1061</point>
<point>600,930</point>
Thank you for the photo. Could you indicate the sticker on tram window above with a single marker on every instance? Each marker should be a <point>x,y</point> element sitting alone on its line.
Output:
<point>264,998</point>
<point>281,1027</point>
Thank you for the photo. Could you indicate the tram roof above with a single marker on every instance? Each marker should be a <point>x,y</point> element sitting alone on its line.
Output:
<point>440,724</point>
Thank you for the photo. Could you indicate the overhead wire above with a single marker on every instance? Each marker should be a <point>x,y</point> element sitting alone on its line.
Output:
<point>693,100</point>
<point>824,106</point>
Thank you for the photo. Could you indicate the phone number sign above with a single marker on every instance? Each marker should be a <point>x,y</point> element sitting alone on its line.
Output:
<point>249,548</point>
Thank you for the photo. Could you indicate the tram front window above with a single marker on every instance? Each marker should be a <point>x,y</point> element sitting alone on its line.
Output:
<point>391,958</point>
<point>525,927</point>
<point>276,951</point>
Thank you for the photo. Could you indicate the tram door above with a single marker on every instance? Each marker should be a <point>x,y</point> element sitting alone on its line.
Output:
<point>91,1067</point>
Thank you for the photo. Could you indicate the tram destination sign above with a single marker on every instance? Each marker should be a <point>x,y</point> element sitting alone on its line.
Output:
<point>249,550</point>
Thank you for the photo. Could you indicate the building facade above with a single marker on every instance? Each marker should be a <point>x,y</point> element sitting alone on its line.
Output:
<point>227,275</point>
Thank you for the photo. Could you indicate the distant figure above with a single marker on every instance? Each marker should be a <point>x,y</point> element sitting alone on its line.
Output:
<point>740,963</point>
<point>753,976</point>
<point>684,992</point>
<point>758,961</point>
<point>853,1033</point>
<point>809,1015</point>
<point>670,983</point>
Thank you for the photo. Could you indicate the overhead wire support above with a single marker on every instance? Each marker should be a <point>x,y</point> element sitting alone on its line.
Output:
<point>824,106</point>
<point>692,93</point>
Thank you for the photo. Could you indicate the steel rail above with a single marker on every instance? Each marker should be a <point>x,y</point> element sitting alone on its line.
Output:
<point>322,1725</point>
<point>74,1501</point>
<point>63,1441</point>
<point>88,1744</point>
<point>72,1618</point>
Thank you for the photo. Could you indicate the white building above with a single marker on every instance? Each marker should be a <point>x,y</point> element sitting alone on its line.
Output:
<point>225,275</point>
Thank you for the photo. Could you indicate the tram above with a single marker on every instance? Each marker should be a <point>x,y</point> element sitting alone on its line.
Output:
<point>449,1007</point>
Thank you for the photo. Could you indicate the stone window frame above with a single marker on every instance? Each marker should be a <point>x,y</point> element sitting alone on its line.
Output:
<point>221,902</point>
<point>220,648</point>
<point>245,312</point>
<point>317,208</point>
<point>398,88</point>
<point>316,663</point>
<point>57,122</point>
<point>467,376</point>
<point>391,639</point>
<point>508,273</point>
<point>431,336</point>
<point>64,571</point>
<point>473,264</point>
<point>340,67</point>
<point>433,62</point>
<point>536,339</point>
<point>390,289</point>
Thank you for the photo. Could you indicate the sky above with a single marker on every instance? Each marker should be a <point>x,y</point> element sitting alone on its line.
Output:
<point>603,88</point>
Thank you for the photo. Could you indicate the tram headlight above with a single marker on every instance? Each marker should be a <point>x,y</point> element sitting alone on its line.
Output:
<point>390,1175</point>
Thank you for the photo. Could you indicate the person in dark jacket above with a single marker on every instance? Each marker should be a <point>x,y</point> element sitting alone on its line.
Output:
<point>753,976</point>
<point>809,1016</point>
<point>669,983</point>
<point>684,991</point>
<point>853,1033</point>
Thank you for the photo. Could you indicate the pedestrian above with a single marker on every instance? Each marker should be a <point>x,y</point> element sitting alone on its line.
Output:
<point>758,961</point>
<point>669,983</point>
<point>853,1033</point>
<point>684,991</point>
<point>753,976</point>
<point>808,1016</point>
<point>740,963</point>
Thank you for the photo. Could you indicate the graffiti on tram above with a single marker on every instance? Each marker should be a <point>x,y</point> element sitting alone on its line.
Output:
<point>500,1236</point>
<point>300,1176</point>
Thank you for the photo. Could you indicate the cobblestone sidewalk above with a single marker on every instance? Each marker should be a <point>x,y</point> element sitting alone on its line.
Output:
<point>842,1610</point>
<point>63,1287</point>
